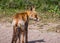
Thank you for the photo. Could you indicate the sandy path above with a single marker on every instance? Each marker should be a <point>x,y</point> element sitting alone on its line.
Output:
<point>34,35</point>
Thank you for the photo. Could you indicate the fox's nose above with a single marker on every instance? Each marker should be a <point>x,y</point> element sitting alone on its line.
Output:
<point>38,20</point>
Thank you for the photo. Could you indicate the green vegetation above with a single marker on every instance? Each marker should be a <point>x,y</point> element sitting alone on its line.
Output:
<point>48,9</point>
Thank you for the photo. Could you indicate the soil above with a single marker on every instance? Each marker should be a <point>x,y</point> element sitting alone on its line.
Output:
<point>37,33</point>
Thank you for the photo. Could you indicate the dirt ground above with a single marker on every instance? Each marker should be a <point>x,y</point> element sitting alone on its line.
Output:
<point>37,33</point>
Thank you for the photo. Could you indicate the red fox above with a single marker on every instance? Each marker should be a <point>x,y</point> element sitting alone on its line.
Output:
<point>20,24</point>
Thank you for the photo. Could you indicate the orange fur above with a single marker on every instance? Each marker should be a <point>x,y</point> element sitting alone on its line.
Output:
<point>20,21</point>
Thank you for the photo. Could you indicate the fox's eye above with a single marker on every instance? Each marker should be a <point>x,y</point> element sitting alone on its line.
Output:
<point>36,16</point>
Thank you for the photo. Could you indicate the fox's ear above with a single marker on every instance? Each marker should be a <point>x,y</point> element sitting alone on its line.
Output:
<point>32,8</point>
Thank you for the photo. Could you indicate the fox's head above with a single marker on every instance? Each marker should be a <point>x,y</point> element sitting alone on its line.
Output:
<point>32,14</point>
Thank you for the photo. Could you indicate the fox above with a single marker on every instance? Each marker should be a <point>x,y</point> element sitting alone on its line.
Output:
<point>20,24</point>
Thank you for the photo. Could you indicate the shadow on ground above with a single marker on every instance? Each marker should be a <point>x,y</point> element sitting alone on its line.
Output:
<point>35,41</point>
